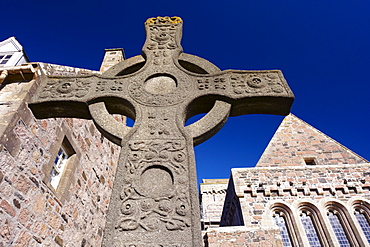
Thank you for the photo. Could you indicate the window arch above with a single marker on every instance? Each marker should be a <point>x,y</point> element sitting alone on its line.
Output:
<point>315,230</point>
<point>343,227</point>
<point>362,214</point>
<point>283,218</point>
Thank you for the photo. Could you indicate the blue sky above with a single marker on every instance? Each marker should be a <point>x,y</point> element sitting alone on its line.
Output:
<point>322,47</point>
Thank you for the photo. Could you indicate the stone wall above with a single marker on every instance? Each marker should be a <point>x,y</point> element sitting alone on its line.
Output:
<point>242,236</point>
<point>261,190</point>
<point>296,142</point>
<point>212,197</point>
<point>254,185</point>
<point>302,173</point>
<point>32,212</point>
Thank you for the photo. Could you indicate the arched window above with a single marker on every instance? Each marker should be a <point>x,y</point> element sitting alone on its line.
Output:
<point>343,227</point>
<point>280,221</point>
<point>312,222</point>
<point>310,229</point>
<point>337,225</point>
<point>362,214</point>
<point>284,220</point>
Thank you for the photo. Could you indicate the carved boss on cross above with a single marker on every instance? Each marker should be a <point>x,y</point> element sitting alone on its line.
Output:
<point>154,200</point>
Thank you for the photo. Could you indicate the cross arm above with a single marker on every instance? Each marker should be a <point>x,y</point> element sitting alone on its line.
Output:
<point>70,96</point>
<point>249,92</point>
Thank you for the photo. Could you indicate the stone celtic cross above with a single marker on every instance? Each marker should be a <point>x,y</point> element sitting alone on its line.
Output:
<point>155,200</point>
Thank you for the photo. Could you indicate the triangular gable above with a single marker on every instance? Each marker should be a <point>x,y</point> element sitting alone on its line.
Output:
<point>296,143</point>
<point>10,45</point>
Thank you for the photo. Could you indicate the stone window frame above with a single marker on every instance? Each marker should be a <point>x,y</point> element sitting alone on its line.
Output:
<point>284,211</point>
<point>60,162</point>
<point>318,222</point>
<point>345,219</point>
<point>64,139</point>
<point>364,208</point>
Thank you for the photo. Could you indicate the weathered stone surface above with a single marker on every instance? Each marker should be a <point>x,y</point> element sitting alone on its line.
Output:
<point>155,199</point>
<point>242,236</point>
<point>296,140</point>
<point>28,207</point>
<point>7,207</point>
<point>212,197</point>
<point>23,239</point>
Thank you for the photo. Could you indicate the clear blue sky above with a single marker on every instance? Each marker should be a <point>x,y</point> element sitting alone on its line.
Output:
<point>322,47</point>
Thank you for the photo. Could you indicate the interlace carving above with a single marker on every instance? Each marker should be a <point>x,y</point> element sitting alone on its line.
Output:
<point>161,202</point>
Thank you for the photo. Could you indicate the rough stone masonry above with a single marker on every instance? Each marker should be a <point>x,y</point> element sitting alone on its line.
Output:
<point>155,200</point>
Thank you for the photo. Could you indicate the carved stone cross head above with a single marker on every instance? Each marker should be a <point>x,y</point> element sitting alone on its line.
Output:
<point>154,200</point>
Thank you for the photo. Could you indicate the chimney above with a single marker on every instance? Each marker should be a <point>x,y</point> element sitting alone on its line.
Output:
<point>111,58</point>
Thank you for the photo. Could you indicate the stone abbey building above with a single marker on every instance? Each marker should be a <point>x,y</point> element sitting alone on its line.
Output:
<point>306,190</point>
<point>56,177</point>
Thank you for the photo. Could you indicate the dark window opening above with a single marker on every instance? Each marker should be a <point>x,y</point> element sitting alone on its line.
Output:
<point>4,58</point>
<point>310,161</point>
